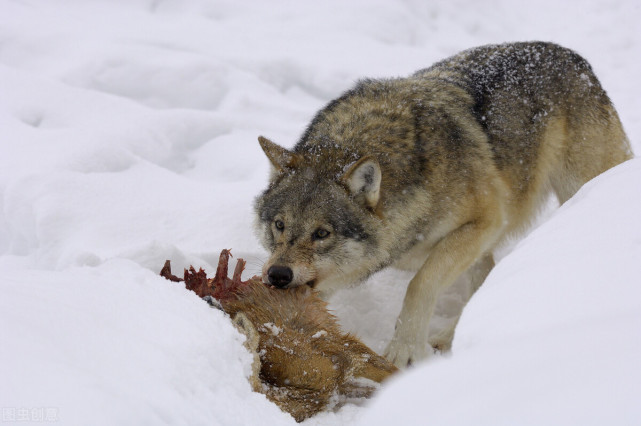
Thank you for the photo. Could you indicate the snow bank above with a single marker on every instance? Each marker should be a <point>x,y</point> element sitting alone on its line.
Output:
<point>552,337</point>
<point>116,344</point>
<point>129,137</point>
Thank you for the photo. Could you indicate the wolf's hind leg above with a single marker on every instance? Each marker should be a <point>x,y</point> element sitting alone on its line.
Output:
<point>595,143</point>
<point>474,278</point>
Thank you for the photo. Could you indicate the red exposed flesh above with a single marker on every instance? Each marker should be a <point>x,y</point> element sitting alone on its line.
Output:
<point>221,287</point>
<point>166,272</point>
<point>223,262</point>
<point>197,282</point>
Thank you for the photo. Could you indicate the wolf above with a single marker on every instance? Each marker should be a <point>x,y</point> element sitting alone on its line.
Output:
<point>432,172</point>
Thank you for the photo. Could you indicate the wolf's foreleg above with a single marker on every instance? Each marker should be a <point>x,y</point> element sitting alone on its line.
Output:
<point>449,258</point>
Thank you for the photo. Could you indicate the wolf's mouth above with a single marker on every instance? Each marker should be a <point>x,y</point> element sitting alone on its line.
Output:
<point>311,283</point>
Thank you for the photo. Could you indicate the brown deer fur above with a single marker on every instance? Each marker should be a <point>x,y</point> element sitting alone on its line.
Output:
<point>302,360</point>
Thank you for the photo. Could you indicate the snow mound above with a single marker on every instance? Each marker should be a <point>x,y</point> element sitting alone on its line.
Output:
<point>553,335</point>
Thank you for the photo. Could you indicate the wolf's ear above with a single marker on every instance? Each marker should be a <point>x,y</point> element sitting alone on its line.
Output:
<point>363,179</point>
<point>280,158</point>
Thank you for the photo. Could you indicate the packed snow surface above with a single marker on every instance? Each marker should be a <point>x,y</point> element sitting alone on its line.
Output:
<point>128,136</point>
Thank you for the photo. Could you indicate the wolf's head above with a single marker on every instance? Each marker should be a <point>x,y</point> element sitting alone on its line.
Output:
<point>318,218</point>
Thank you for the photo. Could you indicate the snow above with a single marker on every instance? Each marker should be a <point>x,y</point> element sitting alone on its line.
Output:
<point>129,137</point>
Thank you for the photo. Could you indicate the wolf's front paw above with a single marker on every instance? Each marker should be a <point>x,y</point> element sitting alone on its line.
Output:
<point>402,353</point>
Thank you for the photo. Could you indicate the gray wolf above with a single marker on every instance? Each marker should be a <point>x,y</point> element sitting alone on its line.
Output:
<point>432,172</point>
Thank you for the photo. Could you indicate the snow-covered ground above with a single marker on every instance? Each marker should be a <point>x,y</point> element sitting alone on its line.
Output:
<point>128,136</point>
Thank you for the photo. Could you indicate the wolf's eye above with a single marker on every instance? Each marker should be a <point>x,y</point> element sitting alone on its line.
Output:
<point>320,233</point>
<point>279,224</point>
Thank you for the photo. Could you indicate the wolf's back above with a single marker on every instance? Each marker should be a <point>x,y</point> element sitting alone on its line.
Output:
<point>518,87</point>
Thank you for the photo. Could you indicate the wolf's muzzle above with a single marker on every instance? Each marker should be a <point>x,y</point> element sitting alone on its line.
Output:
<point>280,276</point>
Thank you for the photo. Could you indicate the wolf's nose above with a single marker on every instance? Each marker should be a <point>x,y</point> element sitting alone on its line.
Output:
<point>280,276</point>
